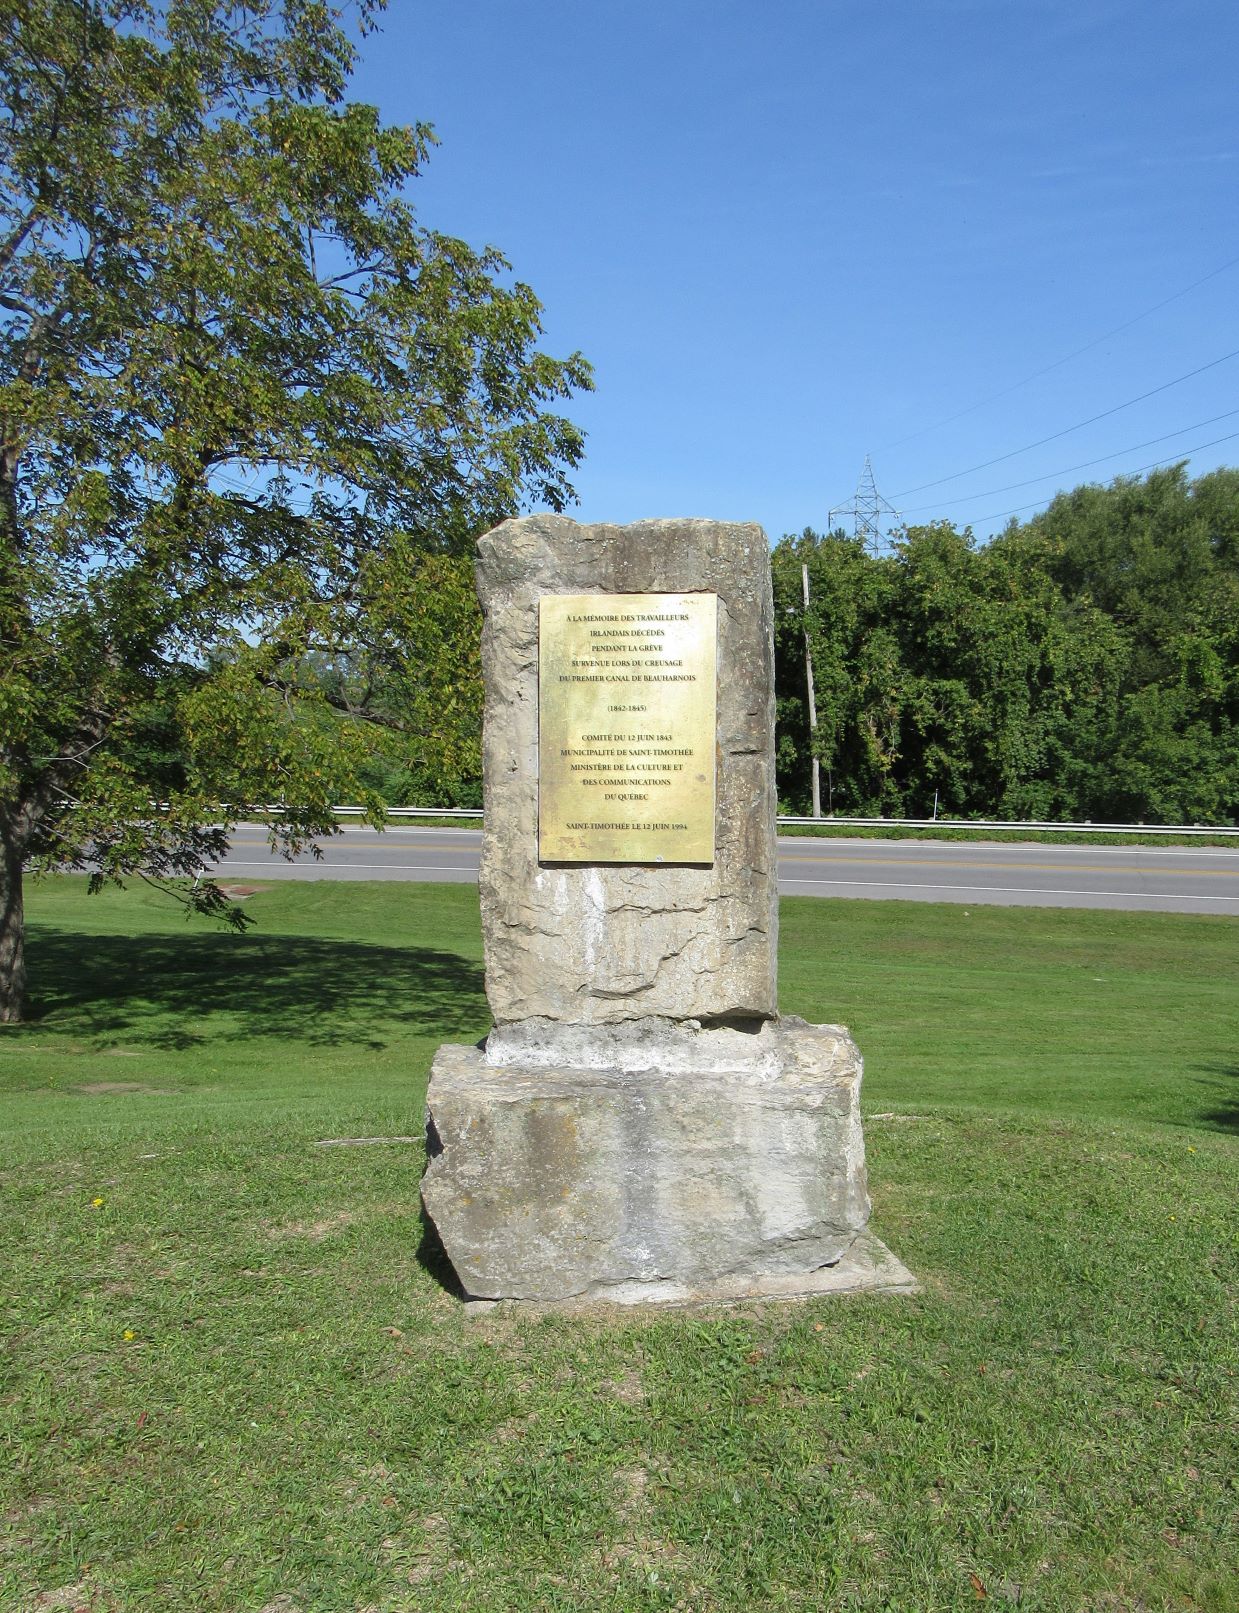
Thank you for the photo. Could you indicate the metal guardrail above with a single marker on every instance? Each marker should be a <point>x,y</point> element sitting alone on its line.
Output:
<point>874,823</point>
<point>407,812</point>
<point>1039,828</point>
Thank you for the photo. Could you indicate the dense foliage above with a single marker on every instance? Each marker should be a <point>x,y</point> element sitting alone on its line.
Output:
<point>1082,666</point>
<point>248,405</point>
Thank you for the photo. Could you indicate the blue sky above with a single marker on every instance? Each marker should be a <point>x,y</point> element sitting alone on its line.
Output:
<point>791,233</point>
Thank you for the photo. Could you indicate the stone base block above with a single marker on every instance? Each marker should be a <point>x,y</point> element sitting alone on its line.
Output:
<point>733,1167</point>
<point>868,1267</point>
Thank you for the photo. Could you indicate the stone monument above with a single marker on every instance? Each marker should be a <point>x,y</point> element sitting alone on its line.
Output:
<point>640,1124</point>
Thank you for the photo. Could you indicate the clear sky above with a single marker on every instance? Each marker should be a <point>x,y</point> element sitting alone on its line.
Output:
<point>788,233</point>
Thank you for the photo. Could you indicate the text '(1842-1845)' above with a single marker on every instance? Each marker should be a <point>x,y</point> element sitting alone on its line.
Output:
<point>626,718</point>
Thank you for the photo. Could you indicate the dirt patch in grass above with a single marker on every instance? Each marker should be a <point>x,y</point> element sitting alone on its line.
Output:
<point>631,1483</point>
<point>629,1388</point>
<point>312,1231</point>
<point>70,1597</point>
<point>316,1229</point>
<point>108,1089</point>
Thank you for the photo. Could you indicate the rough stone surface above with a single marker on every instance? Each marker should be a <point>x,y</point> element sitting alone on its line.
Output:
<point>868,1267</point>
<point>596,944</point>
<point>739,1160</point>
<point>684,1046</point>
<point>640,1126</point>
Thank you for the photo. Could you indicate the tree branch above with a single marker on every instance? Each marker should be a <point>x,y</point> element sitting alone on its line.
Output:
<point>11,244</point>
<point>31,813</point>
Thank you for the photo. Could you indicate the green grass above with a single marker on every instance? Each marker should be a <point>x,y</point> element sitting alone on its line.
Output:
<point>953,829</point>
<point>303,1418</point>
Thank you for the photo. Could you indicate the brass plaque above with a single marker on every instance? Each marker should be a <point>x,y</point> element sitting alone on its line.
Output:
<point>626,703</point>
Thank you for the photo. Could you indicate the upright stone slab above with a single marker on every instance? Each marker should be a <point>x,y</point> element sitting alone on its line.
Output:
<point>603,941</point>
<point>640,1124</point>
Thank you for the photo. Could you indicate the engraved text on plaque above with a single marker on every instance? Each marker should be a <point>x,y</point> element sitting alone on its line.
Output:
<point>626,715</point>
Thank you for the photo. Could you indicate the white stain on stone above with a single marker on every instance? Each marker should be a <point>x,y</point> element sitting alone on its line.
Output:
<point>593,913</point>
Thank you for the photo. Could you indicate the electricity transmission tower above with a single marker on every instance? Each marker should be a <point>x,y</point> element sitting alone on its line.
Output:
<point>867,510</point>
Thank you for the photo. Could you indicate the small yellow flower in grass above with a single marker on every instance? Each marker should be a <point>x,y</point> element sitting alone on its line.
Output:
<point>129,1334</point>
<point>96,1204</point>
<point>1191,1150</point>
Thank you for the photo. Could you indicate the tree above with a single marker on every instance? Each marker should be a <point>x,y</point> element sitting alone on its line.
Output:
<point>424,711</point>
<point>1148,648</point>
<point>856,671</point>
<point>241,389</point>
<point>1084,664</point>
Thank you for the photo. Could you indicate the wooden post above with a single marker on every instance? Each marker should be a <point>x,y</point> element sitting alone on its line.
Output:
<point>808,672</point>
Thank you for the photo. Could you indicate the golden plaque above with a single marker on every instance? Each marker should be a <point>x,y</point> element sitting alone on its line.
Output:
<point>626,715</point>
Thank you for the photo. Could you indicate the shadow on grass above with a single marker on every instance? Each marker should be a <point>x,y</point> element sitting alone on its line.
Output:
<point>170,992</point>
<point>431,1256</point>
<point>1226,1116</point>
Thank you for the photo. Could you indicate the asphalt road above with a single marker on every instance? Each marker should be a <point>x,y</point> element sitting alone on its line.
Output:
<point>1155,879</point>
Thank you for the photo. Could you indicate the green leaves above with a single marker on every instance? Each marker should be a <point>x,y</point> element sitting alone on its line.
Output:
<point>237,379</point>
<point>1085,665</point>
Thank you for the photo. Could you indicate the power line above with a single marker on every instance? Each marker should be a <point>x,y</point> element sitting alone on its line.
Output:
<point>1059,362</point>
<point>1174,459</point>
<point>993,492</point>
<point>1067,430</point>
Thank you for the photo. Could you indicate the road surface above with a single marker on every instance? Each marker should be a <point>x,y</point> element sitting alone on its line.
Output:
<point>1154,879</point>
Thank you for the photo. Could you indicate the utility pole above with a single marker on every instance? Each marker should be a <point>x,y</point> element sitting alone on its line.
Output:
<point>808,673</point>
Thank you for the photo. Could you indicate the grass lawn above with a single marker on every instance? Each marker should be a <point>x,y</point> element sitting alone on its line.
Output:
<point>232,1382</point>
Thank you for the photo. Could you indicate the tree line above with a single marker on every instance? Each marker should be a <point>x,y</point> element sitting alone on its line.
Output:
<point>1083,665</point>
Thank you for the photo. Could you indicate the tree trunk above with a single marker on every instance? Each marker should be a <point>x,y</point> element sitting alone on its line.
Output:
<point>12,937</point>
